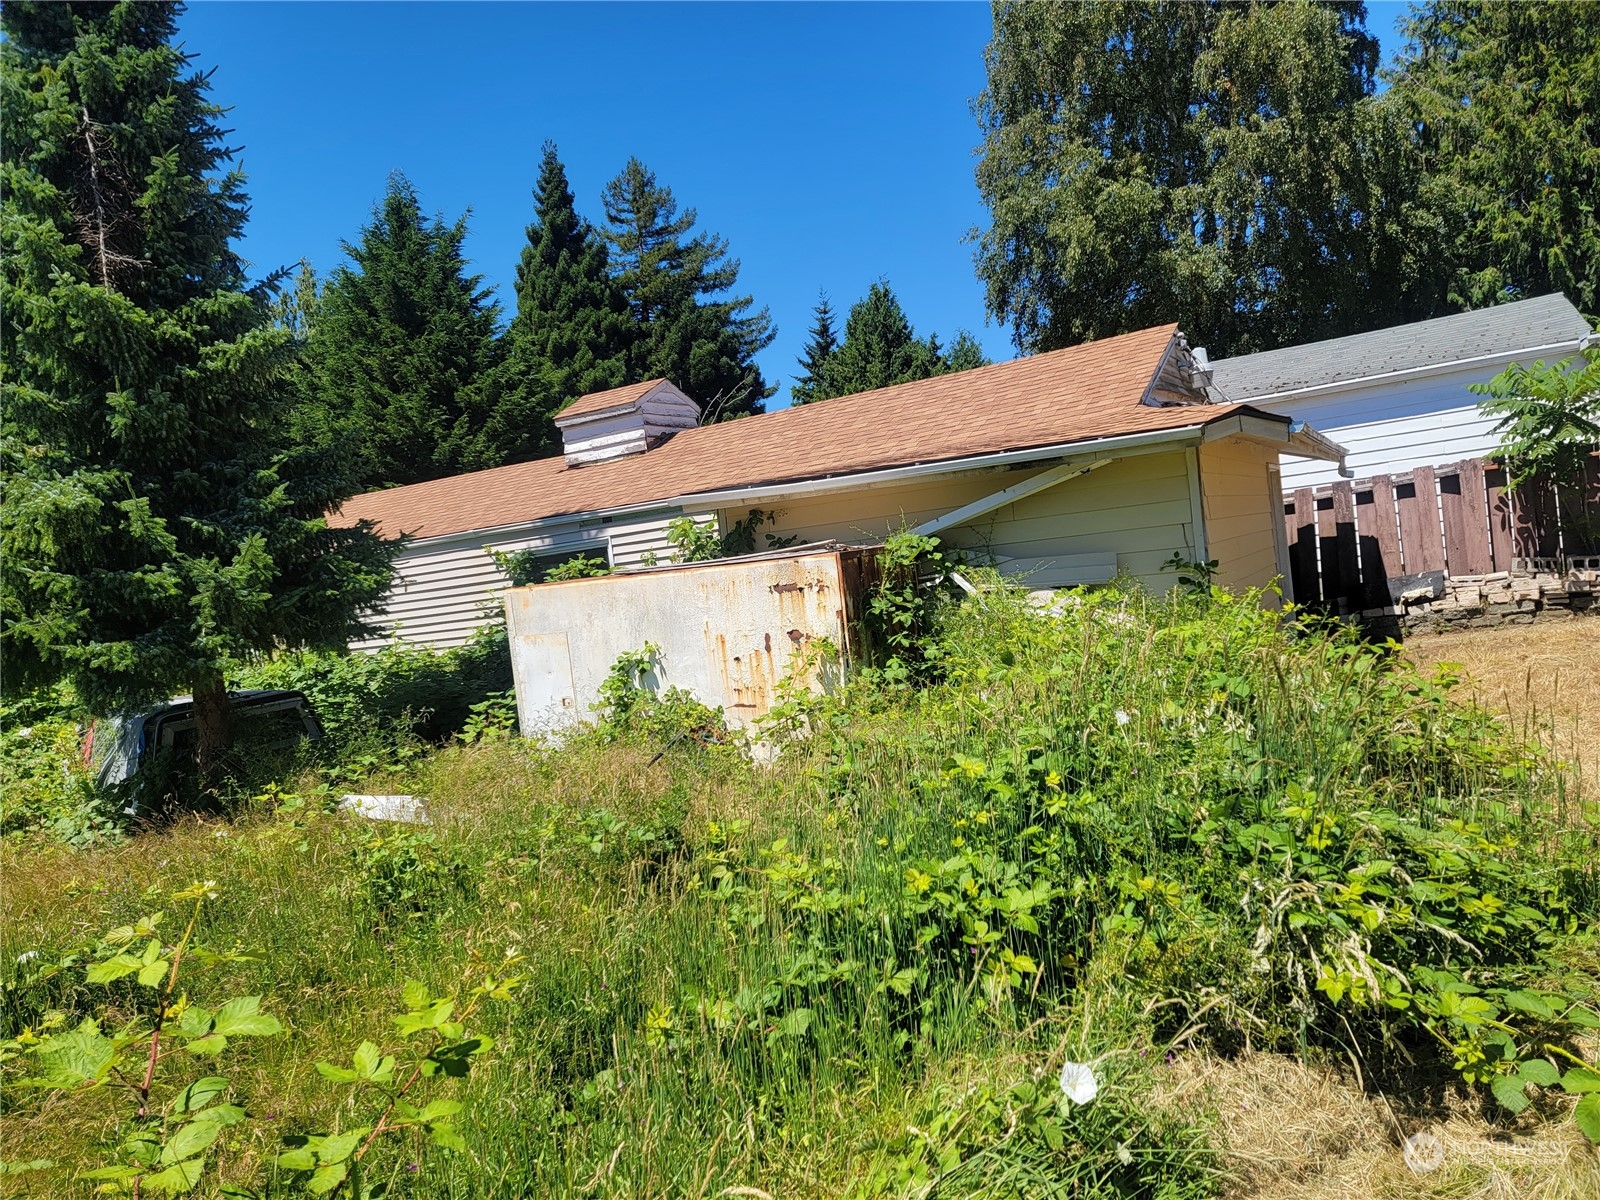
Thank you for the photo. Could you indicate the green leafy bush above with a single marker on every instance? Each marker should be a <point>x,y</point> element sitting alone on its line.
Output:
<point>364,696</point>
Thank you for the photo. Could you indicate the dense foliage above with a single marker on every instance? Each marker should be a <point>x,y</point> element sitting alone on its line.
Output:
<point>1505,99</point>
<point>1098,831</point>
<point>1234,167</point>
<point>572,327</point>
<point>158,519</point>
<point>401,348</point>
<point>1547,418</point>
<point>687,327</point>
<point>879,349</point>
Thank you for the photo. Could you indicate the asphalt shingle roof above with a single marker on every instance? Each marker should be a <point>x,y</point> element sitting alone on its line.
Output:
<point>1542,323</point>
<point>1077,394</point>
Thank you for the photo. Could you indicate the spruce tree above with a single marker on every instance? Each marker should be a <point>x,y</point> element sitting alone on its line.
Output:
<point>403,348</point>
<point>157,522</point>
<point>964,353</point>
<point>686,326</point>
<point>821,344</point>
<point>571,331</point>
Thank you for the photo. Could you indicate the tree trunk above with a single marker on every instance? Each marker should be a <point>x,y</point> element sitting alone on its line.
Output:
<point>213,720</point>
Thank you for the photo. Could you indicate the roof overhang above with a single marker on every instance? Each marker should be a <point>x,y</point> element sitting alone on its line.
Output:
<point>1259,426</point>
<point>1499,359</point>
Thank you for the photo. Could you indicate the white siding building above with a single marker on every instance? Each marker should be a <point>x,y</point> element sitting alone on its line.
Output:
<point>1400,398</point>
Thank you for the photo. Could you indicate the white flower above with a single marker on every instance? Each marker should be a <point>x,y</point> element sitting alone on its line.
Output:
<point>1423,1152</point>
<point>1078,1083</point>
<point>1122,717</point>
<point>1124,1155</point>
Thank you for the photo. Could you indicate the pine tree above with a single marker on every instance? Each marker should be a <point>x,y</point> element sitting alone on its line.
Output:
<point>571,331</point>
<point>821,344</point>
<point>686,328</point>
<point>157,522</point>
<point>403,347</point>
<point>964,353</point>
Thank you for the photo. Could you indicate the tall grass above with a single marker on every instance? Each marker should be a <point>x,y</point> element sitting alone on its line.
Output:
<point>856,972</point>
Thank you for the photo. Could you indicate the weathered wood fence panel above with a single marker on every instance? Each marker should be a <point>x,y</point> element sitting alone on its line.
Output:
<point>1355,547</point>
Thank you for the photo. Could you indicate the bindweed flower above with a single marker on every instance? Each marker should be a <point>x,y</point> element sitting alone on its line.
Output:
<point>1124,1155</point>
<point>1078,1083</point>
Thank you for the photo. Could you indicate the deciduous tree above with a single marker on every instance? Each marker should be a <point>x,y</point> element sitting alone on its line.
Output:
<point>1218,164</point>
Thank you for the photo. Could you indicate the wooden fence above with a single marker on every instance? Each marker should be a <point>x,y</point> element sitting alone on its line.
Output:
<point>1356,546</point>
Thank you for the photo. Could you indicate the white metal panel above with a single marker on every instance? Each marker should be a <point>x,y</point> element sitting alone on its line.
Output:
<point>727,631</point>
<point>541,668</point>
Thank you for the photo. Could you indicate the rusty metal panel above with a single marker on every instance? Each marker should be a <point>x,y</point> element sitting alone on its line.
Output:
<point>727,631</point>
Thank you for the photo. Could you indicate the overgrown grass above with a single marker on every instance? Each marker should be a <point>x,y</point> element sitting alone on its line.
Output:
<point>1109,829</point>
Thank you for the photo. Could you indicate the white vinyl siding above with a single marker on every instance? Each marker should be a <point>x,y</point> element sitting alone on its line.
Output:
<point>1394,426</point>
<point>445,588</point>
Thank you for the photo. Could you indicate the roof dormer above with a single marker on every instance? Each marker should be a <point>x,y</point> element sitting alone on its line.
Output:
<point>624,420</point>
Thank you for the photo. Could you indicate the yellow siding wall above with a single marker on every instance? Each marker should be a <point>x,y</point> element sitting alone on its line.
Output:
<point>1235,494</point>
<point>1137,507</point>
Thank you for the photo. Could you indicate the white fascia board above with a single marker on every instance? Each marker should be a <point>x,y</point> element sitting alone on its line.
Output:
<point>1296,437</point>
<point>1503,358</point>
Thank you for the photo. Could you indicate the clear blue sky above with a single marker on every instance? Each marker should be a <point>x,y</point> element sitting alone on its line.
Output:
<point>831,144</point>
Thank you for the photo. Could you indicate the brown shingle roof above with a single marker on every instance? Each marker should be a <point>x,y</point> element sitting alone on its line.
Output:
<point>1076,394</point>
<point>615,398</point>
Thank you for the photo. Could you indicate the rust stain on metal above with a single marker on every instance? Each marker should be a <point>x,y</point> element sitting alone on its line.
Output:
<point>787,586</point>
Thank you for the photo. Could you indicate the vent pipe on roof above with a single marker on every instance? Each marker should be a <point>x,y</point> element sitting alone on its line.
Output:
<point>624,421</point>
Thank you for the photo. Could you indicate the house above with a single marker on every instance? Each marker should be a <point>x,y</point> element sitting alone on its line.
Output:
<point>1062,468</point>
<point>1400,398</point>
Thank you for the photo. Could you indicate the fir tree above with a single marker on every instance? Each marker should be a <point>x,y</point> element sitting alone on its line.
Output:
<point>403,347</point>
<point>964,353</point>
<point>879,349</point>
<point>686,328</point>
<point>571,331</point>
<point>156,521</point>
<point>821,344</point>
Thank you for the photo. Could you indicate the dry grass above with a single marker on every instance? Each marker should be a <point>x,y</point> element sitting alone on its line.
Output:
<point>1544,678</point>
<point>1295,1132</point>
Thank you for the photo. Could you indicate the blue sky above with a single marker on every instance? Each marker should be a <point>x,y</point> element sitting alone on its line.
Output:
<point>831,144</point>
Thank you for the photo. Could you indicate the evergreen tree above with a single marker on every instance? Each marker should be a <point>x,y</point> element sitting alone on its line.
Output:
<point>1223,164</point>
<point>880,348</point>
<point>403,347</point>
<point>964,353</point>
<point>686,328</point>
<point>1506,101</point>
<point>821,344</point>
<point>157,522</point>
<point>572,328</point>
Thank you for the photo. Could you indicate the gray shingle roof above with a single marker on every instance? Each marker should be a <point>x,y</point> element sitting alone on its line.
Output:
<point>1543,322</point>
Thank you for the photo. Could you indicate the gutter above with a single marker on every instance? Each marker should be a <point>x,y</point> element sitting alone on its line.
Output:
<point>1455,364</point>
